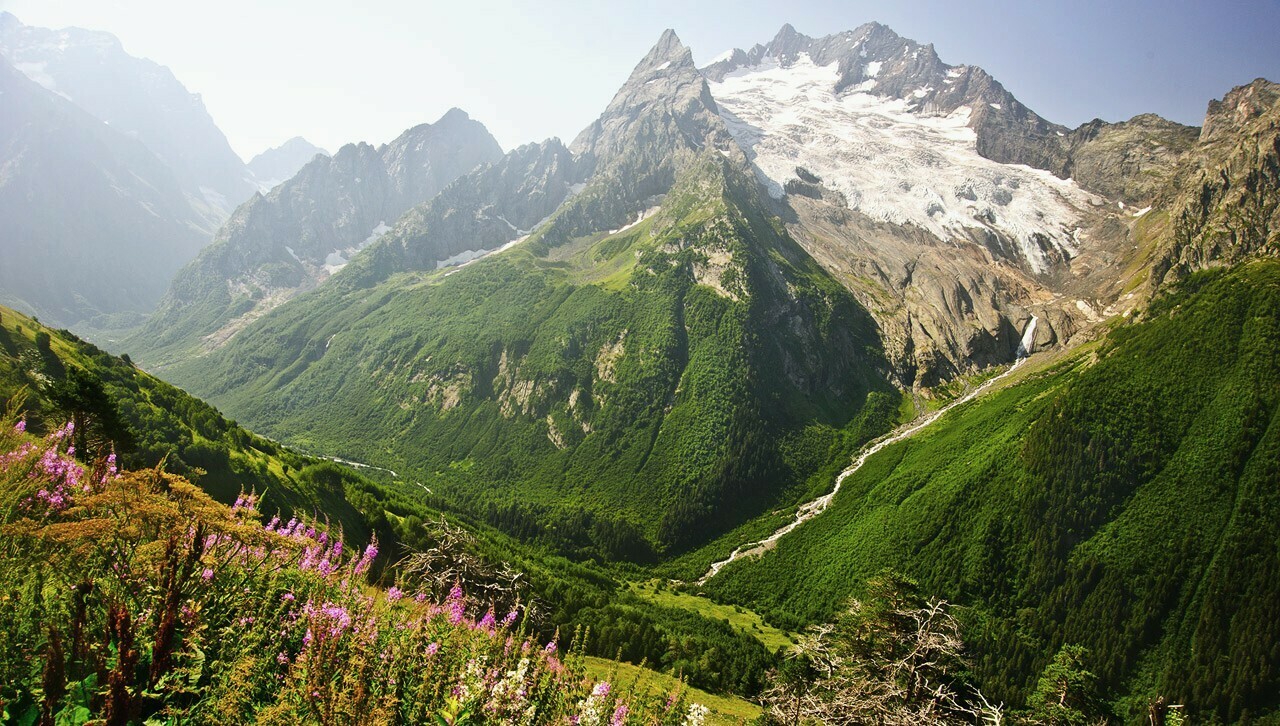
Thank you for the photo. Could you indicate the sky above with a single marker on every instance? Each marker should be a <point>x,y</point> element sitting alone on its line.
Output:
<point>341,72</point>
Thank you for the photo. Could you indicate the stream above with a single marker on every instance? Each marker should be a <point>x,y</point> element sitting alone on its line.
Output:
<point>813,508</point>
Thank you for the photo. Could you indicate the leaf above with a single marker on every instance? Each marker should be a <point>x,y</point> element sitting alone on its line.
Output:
<point>73,716</point>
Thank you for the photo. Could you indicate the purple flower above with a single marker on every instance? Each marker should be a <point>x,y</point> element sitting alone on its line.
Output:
<point>619,715</point>
<point>601,689</point>
<point>551,647</point>
<point>207,574</point>
<point>433,649</point>
<point>509,619</point>
<point>20,426</point>
<point>394,594</point>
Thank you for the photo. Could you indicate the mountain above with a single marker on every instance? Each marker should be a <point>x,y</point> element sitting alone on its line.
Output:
<point>49,377</point>
<point>954,213</point>
<point>285,242</point>
<point>658,354</point>
<point>655,343</point>
<point>1224,206</point>
<point>275,165</point>
<point>94,223</point>
<point>52,377</point>
<point>138,98</point>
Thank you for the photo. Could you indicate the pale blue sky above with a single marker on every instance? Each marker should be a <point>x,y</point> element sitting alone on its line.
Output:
<point>337,72</point>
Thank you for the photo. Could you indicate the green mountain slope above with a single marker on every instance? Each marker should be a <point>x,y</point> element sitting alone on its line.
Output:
<point>1124,500</point>
<point>678,376</point>
<point>53,377</point>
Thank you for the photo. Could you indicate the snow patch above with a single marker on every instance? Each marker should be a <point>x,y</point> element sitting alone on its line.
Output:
<point>664,66</point>
<point>642,216</point>
<point>996,106</point>
<point>338,259</point>
<point>728,54</point>
<point>872,70</point>
<point>893,163</point>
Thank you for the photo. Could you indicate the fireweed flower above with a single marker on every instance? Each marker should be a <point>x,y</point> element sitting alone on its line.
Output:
<point>619,715</point>
<point>207,574</point>
<point>394,594</point>
<point>20,426</point>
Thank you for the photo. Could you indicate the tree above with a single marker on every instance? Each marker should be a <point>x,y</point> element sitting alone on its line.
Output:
<point>892,658</point>
<point>1066,694</point>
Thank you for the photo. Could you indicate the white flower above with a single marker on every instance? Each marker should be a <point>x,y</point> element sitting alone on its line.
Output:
<point>697,714</point>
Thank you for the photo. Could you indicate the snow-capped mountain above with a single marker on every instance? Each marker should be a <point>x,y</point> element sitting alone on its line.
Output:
<point>895,159</point>
<point>138,98</point>
<point>955,213</point>
<point>277,164</point>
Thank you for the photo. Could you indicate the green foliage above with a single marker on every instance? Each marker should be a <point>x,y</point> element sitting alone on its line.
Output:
<point>1123,501</point>
<point>136,598</point>
<point>1066,693</point>
<point>117,408</point>
<point>619,397</point>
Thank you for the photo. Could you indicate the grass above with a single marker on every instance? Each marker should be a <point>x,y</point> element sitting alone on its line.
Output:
<point>740,619</point>
<point>724,709</point>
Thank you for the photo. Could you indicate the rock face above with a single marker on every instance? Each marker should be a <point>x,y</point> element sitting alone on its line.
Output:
<point>657,124</point>
<point>278,245</point>
<point>276,165</point>
<point>953,212</point>
<point>1224,201</point>
<point>138,98</point>
<point>94,224</point>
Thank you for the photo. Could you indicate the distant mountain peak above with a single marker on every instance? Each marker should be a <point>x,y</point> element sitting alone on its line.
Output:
<point>277,164</point>
<point>667,52</point>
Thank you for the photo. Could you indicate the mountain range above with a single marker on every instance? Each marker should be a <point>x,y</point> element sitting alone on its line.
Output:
<point>662,340</point>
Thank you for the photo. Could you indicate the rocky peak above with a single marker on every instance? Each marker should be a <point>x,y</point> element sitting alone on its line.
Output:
<point>1240,106</point>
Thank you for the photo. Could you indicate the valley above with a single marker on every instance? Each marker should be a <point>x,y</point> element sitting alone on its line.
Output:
<point>823,381</point>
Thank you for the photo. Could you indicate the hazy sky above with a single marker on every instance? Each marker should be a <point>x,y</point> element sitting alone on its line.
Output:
<point>339,72</point>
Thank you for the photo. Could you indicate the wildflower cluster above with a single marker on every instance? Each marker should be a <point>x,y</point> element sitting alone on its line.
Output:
<point>50,471</point>
<point>136,597</point>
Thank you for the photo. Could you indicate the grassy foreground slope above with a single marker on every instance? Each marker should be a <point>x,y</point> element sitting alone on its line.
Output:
<point>1127,500</point>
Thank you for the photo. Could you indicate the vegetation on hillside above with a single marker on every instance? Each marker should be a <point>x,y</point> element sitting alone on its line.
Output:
<point>134,597</point>
<point>621,396</point>
<point>117,409</point>
<point>1116,501</point>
